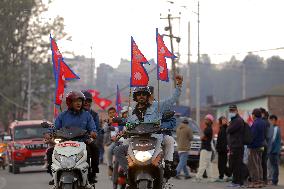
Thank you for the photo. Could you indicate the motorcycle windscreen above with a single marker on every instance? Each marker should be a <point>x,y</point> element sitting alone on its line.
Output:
<point>144,144</point>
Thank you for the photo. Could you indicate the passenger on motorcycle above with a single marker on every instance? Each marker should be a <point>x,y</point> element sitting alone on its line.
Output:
<point>146,112</point>
<point>76,116</point>
<point>96,152</point>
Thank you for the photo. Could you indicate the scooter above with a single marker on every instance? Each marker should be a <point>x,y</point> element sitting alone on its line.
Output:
<point>145,157</point>
<point>69,159</point>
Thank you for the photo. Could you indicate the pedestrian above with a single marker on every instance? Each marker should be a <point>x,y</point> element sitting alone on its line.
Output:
<point>256,149</point>
<point>184,137</point>
<point>205,163</point>
<point>236,147</point>
<point>222,148</point>
<point>264,158</point>
<point>274,149</point>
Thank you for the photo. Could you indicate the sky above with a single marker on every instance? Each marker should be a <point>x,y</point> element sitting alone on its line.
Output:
<point>227,27</point>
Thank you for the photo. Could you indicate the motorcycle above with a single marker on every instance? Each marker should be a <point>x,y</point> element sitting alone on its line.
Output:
<point>145,157</point>
<point>3,155</point>
<point>69,160</point>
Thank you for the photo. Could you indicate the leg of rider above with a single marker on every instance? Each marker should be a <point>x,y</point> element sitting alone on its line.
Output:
<point>49,159</point>
<point>94,158</point>
<point>120,153</point>
<point>88,161</point>
<point>169,153</point>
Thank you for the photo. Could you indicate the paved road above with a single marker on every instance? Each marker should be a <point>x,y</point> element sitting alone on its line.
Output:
<point>36,178</point>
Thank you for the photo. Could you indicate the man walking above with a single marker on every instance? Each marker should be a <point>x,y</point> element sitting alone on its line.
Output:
<point>184,137</point>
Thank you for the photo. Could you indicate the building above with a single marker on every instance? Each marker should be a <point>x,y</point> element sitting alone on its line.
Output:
<point>272,101</point>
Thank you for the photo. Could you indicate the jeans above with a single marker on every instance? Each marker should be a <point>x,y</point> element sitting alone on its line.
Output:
<point>274,162</point>
<point>110,153</point>
<point>183,156</point>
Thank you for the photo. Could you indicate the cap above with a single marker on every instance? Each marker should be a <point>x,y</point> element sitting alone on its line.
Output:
<point>233,107</point>
<point>209,117</point>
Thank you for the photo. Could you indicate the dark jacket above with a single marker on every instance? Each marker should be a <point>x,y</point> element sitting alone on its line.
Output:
<point>266,132</point>
<point>207,138</point>
<point>235,132</point>
<point>96,119</point>
<point>258,130</point>
<point>221,145</point>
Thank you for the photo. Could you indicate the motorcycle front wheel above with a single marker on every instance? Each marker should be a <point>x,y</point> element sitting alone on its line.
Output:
<point>143,184</point>
<point>67,186</point>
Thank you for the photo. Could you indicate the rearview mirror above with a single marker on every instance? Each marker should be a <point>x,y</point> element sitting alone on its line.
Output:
<point>45,125</point>
<point>7,138</point>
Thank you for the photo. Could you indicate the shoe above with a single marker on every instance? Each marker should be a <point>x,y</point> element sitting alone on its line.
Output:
<point>53,187</point>
<point>51,182</point>
<point>88,186</point>
<point>219,180</point>
<point>198,180</point>
<point>232,185</point>
<point>187,177</point>
<point>229,179</point>
<point>177,177</point>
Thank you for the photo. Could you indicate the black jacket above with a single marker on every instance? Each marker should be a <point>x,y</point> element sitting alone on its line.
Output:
<point>235,133</point>
<point>207,138</point>
<point>221,145</point>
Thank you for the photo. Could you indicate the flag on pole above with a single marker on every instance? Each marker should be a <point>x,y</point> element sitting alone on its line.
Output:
<point>118,100</point>
<point>103,103</point>
<point>162,54</point>
<point>139,76</point>
<point>62,72</point>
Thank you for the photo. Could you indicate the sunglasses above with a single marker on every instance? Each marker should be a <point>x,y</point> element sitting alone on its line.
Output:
<point>141,93</point>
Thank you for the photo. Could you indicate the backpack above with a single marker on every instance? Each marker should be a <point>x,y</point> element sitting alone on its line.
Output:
<point>247,137</point>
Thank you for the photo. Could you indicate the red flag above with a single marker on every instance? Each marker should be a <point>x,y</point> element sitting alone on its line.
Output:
<point>56,57</point>
<point>103,103</point>
<point>162,54</point>
<point>60,83</point>
<point>139,76</point>
<point>94,92</point>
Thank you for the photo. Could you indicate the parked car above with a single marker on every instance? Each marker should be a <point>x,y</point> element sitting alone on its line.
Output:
<point>194,153</point>
<point>25,146</point>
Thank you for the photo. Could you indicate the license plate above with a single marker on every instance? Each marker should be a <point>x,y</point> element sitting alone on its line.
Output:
<point>38,153</point>
<point>194,153</point>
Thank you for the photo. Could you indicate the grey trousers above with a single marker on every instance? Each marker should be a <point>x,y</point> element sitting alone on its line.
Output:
<point>120,153</point>
<point>254,165</point>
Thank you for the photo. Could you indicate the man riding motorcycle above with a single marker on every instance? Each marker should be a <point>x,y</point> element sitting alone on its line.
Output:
<point>76,116</point>
<point>146,112</point>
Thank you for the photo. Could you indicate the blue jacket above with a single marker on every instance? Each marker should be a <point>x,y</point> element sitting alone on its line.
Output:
<point>258,132</point>
<point>276,144</point>
<point>152,114</point>
<point>82,119</point>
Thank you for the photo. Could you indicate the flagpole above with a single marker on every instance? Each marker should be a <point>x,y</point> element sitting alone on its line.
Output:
<point>158,95</point>
<point>129,99</point>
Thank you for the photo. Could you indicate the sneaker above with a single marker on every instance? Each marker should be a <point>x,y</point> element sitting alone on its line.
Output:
<point>88,186</point>
<point>177,177</point>
<point>232,185</point>
<point>219,180</point>
<point>187,177</point>
<point>229,179</point>
<point>51,182</point>
<point>198,180</point>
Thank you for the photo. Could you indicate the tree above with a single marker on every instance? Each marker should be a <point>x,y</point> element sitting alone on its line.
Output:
<point>24,39</point>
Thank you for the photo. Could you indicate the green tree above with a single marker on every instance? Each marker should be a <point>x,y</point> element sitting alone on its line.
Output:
<point>24,39</point>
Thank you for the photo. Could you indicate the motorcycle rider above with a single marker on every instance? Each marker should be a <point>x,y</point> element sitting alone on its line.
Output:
<point>76,116</point>
<point>146,112</point>
<point>87,107</point>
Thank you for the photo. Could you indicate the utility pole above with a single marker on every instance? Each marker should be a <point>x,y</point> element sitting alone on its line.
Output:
<point>243,81</point>
<point>188,99</point>
<point>172,50</point>
<point>92,68</point>
<point>29,90</point>
<point>198,74</point>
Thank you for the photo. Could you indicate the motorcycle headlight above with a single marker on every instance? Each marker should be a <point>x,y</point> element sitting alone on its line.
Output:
<point>57,140</point>
<point>143,156</point>
<point>67,162</point>
<point>79,156</point>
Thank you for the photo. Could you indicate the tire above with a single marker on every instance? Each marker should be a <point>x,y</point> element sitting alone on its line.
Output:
<point>143,184</point>
<point>67,186</point>
<point>15,169</point>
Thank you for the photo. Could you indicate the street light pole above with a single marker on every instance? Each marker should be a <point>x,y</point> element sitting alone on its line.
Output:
<point>29,90</point>
<point>198,74</point>
<point>188,99</point>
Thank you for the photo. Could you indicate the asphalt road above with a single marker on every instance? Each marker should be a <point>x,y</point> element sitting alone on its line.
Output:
<point>37,178</point>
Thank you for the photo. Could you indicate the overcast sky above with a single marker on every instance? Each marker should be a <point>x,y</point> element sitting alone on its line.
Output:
<point>226,27</point>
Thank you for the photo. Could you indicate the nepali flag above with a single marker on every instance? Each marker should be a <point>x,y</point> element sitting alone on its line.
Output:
<point>56,58</point>
<point>162,54</point>
<point>139,76</point>
<point>94,92</point>
<point>62,72</point>
<point>103,103</point>
<point>118,100</point>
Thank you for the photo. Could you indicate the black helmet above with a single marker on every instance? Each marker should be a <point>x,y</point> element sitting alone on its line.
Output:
<point>88,95</point>
<point>137,90</point>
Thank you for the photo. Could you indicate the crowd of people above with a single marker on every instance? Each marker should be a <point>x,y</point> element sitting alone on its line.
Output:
<point>248,155</point>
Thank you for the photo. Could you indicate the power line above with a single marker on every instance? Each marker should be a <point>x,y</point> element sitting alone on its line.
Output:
<point>12,102</point>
